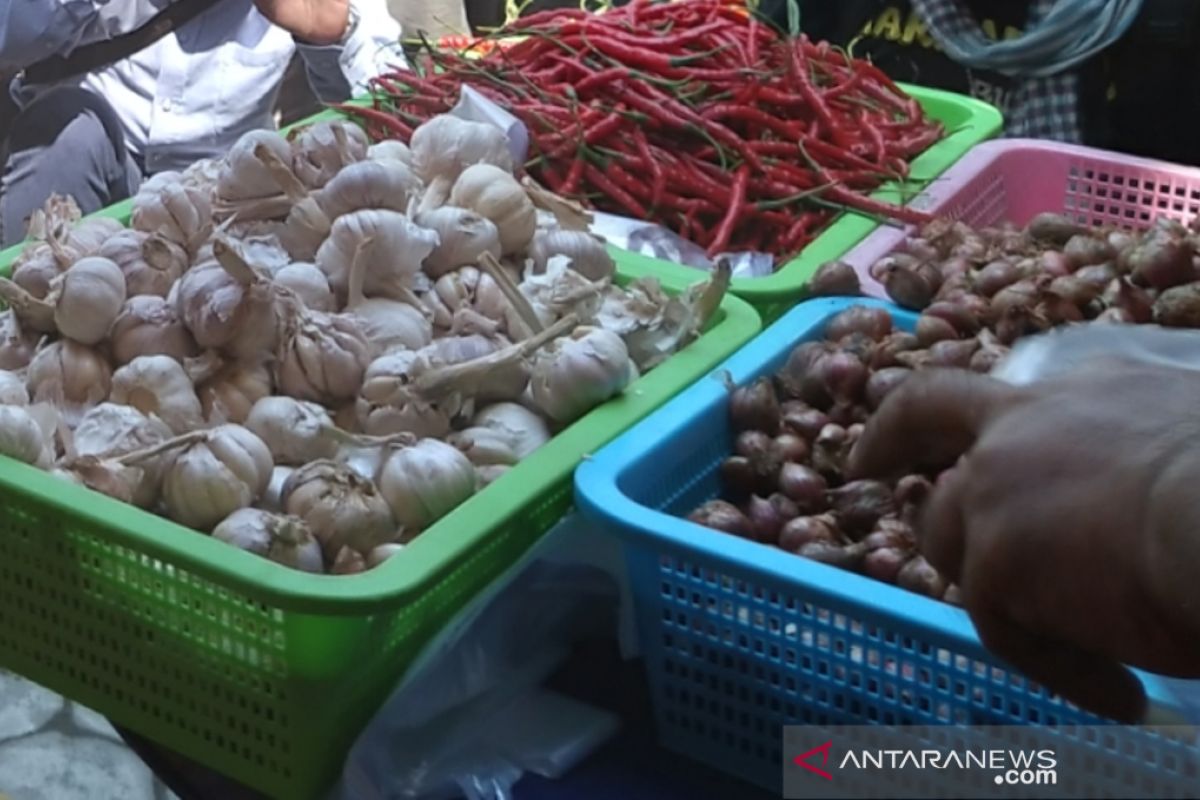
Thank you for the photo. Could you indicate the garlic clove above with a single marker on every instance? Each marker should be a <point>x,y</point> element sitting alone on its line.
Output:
<point>322,357</point>
<point>495,194</point>
<point>445,145</point>
<point>21,437</point>
<point>227,468</point>
<point>425,481</point>
<point>523,429</point>
<point>272,499</point>
<point>341,508</point>
<point>230,389</point>
<point>308,283</point>
<point>151,263</point>
<point>68,373</point>
<point>292,429</point>
<point>463,236</point>
<point>370,184</point>
<point>323,149</point>
<point>280,538</point>
<point>587,253</point>
<point>398,249</point>
<point>390,150</point>
<point>242,176</point>
<point>382,553</point>
<point>148,326</point>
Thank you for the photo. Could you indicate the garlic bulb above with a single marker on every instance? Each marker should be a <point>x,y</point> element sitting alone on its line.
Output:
<point>292,429</point>
<point>464,237</point>
<point>158,386</point>
<point>272,499</point>
<point>523,430</point>
<point>445,145</point>
<point>398,248</point>
<point>34,273</point>
<point>589,257</point>
<point>229,307</point>
<point>90,296</point>
<point>390,150</point>
<point>242,175</point>
<point>222,470</point>
<point>488,474</point>
<point>348,562</point>
<point>424,482</point>
<point>149,326</point>
<point>483,446</point>
<point>321,357</point>
<point>466,289</point>
<point>277,537</point>
<point>324,148</point>
<point>87,235</point>
<point>370,184</point>
<point>387,324</point>
<point>341,508</point>
<point>382,553</point>
<point>12,389</point>
<point>227,392</point>
<point>16,346</point>
<point>308,283</point>
<point>68,373</point>
<point>150,262</point>
<point>110,430</point>
<point>385,407</point>
<point>111,478</point>
<point>577,373</point>
<point>177,211</point>
<point>22,438</point>
<point>495,194</point>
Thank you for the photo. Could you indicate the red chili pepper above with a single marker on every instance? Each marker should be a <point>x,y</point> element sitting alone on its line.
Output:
<point>655,166</point>
<point>799,70</point>
<point>575,174</point>
<point>384,120</point>
<point>734,212</point>
<point>617,193</point>
<point>753,116</point>
<point>598,80</point>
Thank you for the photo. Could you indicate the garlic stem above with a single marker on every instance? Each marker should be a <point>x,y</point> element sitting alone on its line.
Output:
<point>287,181</point>
<point>462,376</point>
<point>520,303</point>
<point>570,215</point>
<point>34,313</point>
<point>358,273</point>
<point>146,453</point>
<point>232,261</point>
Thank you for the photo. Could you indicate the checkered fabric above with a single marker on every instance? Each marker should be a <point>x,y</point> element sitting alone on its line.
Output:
<point>1043,108</point>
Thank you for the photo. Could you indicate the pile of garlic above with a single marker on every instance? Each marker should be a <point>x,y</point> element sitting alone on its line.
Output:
<point>315,348</point>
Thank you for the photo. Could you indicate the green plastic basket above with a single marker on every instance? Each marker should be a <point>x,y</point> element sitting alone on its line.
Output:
<point>260,672</point>
<point>968,122</point>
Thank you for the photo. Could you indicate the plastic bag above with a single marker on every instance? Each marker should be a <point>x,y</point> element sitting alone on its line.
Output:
<point>655,241</point>
<point>468,719</point>
<point>1065,349</point>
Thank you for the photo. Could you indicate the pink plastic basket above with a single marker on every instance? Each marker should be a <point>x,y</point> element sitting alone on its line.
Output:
<point>1014,180</point>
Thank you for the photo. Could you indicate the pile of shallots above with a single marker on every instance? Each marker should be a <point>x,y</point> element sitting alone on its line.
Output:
<point>978,291</point>
<point>315,348</point>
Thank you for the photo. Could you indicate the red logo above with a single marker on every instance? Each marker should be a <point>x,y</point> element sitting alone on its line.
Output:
<point>802,760</point>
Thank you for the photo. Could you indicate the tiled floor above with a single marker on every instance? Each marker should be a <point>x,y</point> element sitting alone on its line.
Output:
<point>53,749</point>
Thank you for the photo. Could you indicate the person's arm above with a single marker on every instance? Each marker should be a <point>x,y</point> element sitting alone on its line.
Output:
<point>32,30</point>
<point>369,45</point>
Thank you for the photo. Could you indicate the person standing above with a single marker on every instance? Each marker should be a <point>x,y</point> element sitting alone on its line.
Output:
<point>110,92</point>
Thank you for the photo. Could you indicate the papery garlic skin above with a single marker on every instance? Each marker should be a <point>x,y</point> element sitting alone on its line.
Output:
<point>464,237</point>
<point>68,372</point>
<point>574,374</point>
<point>242,175</point>
<point>348,562</point>
<point>168,206</point>
<point>12,389</point>
<point>524,430</point>
<point>385,406</point>
<point>341,508</point>
<point>466,288</point>
<point>272,498</point>
<point>496,195</point>
<point>159,386</point>
<point>322,149</point>
<point>390,150</point>
<point>370,184</point>
<point>322,358</point>
<point>292,429</point>
<point>228,469</point>
<point>308,283</point>
<point>230,312</point>
<point>150,262</point>
<point>395,253</point>
<point>280,538</point>
<point>21,437</point>
<point>229,394</point>
<point>16,346</point>
<point>91,294</point>
<point>110,430</point>
<point>587,252</point>
<point>149,326</point>
<point>424,482</point>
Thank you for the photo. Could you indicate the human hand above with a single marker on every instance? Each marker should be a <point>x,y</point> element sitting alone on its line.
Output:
<point>319,22</point>
<point>1071,524</point>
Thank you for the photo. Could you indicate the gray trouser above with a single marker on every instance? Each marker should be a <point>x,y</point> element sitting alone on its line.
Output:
<point>67,141</point>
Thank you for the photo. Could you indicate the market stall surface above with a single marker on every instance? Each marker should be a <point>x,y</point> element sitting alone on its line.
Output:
<point>54,749</point>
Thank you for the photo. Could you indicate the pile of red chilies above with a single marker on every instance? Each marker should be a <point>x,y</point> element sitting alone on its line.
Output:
<point>689,113</point>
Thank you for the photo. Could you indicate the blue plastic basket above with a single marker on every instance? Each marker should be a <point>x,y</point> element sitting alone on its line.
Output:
<point>740,639</point>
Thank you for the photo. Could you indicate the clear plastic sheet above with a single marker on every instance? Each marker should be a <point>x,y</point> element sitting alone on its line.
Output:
<point>655,241</point>
<point>469,718</point>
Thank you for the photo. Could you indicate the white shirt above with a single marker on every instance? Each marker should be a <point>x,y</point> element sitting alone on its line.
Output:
<point>191,94</point>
